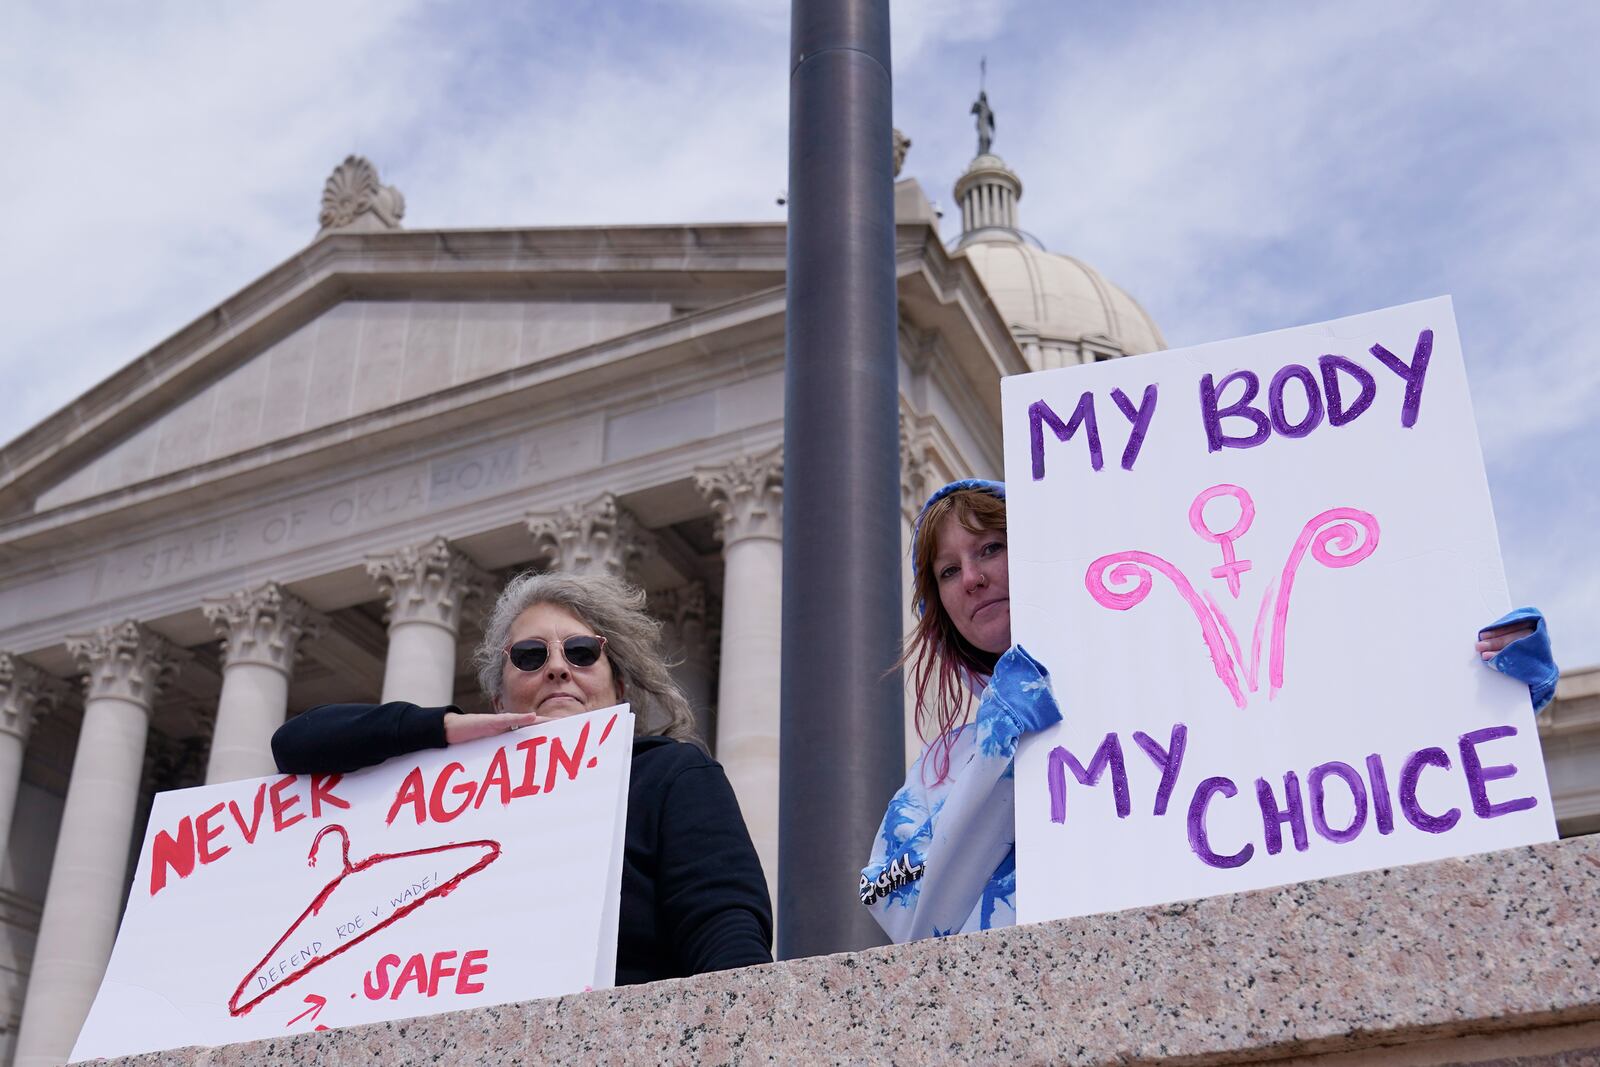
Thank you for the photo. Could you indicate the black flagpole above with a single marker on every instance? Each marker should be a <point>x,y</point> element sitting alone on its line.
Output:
<point>842,747</point>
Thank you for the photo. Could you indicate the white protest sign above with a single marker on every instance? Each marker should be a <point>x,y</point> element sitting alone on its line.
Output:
<point>478,874</point>
<point>1256,570</point>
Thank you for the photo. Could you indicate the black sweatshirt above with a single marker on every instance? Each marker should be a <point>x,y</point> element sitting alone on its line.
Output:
<point>693,895</point>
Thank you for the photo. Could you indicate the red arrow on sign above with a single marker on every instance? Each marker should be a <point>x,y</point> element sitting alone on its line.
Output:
<point>317,1004</point>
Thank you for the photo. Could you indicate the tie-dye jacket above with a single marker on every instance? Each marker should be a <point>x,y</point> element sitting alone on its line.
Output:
<point>1528,659</point>
<point>944,860</point>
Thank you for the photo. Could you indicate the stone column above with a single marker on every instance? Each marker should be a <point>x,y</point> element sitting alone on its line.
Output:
<point>26,694</point>
<point>599,537</point>
<point>127,665</point>
<point>687,640</point>
<point>427,585</point>
<point>747,498</point>
<point>260,629</point>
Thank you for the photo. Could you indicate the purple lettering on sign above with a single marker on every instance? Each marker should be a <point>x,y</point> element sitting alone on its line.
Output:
<point>1410,772</point>
<point>1479,776</point>
<point>1273,817</point>
<point>1294,372</point>
<point>1212,415</point>
<point>1198,840</point>
<point>1338,412</point>
<point>1139,417</point>
<point>1319,810</point>
<point>1412,375</point>
<point>1109,754</point>
<point>1040,414</point>
<point>1382,812</point>
<point>1167,760</point>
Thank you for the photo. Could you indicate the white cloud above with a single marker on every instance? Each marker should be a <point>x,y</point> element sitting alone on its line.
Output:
<point>152,157</point>
<point>1236,166</point>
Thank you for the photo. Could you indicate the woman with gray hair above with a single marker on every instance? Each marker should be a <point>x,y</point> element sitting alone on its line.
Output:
<point>693,895</point>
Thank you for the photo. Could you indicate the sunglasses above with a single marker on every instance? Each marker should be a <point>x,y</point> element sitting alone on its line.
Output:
<point>580,650</point>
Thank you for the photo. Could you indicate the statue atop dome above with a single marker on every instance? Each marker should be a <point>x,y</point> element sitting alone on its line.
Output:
<point>1061,311</point>
<point>981,109</point>
<point>985,114</point>
<point>988,192</point>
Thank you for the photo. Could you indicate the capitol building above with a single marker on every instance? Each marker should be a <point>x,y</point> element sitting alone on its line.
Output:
<point>309,493</point>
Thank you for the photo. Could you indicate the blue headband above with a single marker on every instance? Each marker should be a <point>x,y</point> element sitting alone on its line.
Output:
<point>982,485</point>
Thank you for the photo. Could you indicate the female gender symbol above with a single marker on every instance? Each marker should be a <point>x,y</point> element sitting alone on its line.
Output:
<point>1230,568</point>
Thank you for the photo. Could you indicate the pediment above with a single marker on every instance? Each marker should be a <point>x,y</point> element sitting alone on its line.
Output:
<point>356,358</point>
<point>357,323</point>
<point>363,341</point>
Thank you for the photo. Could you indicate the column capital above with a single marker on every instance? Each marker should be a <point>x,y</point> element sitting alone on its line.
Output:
<point>262,625</point>
<point>26,695</point>
<point>126,661</point>
<point>597,537</point>
<point>915,470</point>
<point>428,582</point>
<point>746,496</point>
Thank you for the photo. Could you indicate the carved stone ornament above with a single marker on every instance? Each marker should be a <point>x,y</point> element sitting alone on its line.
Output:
<point>746,496</point>
<point>263,625</point>
<point>125,661</point>
<point>684,609</point>
<point>429,582</point>
<point>175,763</point>
<point>915,473</point>
<point>354,200</point>
<point>902,144</point>
<point>26,694</point>
<point>600,537</point>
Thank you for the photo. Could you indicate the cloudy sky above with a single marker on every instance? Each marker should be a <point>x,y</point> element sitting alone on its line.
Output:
<point>1238,167</point>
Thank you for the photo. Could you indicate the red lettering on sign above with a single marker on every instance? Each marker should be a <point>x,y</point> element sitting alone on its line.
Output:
<point>322,793</point>
<point>280,804</point>
<point>208,833</point>
<point>530,762</point>
<point>415,970</point>
<point>410,792</point>
<point>471,965</point>
<point>254,828</point>
<point>375,983</point>
<point>439,970</point>
<point>177,853</point>
<point>499,774</point>
<point>426,974</point>
<point>436,806</point>
<point>560,758</point>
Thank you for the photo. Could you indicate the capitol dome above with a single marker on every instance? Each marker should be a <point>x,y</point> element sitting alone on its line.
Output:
<point>1061,310</point>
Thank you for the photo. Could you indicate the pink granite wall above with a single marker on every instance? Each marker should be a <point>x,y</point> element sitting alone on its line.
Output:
<point>1490,959</point>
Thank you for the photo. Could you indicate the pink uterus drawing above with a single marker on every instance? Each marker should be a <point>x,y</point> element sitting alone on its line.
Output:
<point>1333,537</point>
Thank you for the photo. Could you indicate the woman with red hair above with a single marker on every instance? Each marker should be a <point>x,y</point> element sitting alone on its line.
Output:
<point>944,860</point>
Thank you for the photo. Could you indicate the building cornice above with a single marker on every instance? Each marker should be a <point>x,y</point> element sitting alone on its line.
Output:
<point>559,382</point>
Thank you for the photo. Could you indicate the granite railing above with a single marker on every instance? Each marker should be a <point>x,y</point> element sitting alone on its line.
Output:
<point>1490,959</point>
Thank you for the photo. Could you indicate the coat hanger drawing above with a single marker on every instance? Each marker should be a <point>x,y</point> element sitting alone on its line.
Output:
<point>489,851</point>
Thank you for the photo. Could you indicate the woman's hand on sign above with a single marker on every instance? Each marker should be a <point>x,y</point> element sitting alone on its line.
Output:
<point>1491,641</point>
<point>459,727</point>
